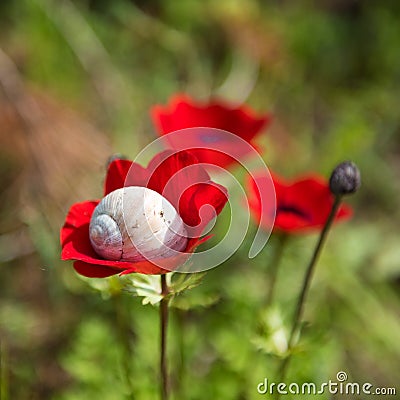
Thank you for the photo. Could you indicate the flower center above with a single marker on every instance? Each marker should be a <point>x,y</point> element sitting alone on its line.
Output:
<point>288,209</point>
<point>210,138</point>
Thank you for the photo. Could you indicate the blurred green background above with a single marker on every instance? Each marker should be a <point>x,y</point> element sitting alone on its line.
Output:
<point>77,79</point>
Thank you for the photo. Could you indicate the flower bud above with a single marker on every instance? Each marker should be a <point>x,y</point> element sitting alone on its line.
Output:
<point>345,178</point>
<point>113,157</point>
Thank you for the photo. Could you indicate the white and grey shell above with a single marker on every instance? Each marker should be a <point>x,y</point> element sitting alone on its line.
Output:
<point>134,224</point>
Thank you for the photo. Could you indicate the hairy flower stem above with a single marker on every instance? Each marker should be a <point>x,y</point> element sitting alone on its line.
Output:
<point>163,338</point>
<point>306,285</point>
<point>274,268</point>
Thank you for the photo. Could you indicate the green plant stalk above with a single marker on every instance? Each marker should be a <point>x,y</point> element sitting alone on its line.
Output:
<point>306,285</point>
<point>274,268</point>
<point>163,338</point>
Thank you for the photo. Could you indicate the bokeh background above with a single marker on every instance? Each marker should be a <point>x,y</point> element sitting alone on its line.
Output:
<point>77,79</point>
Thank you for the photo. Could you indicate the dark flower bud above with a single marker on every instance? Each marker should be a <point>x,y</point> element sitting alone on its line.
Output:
<point>113,157</point>
<point>345,178</point>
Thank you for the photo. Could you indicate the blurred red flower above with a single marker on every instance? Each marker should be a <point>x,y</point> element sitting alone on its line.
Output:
<point>301,205</point>
<point>179,178</point>
<point>211,146</point>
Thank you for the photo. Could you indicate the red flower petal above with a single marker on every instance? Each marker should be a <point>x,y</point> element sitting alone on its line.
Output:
<point>76,246</point>
<point>75,236</point>
<point>186,185</point>
<point>154,267</point>
<point>75,232</point>
<point>170,174</point>
<point>183,113</point>
<point>176,176</point>
<point>118,173</point>
<point>302,204</point>
<point>200,203</point>
<point>94,271</point>
<point>173,172</point>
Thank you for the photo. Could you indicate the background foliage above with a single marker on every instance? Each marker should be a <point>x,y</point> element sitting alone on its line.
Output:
<point>78,78</point>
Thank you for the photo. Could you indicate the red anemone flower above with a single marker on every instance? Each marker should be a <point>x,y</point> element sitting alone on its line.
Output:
<point>179,179</point>
<point>302,204</point>
<point>210,146</point>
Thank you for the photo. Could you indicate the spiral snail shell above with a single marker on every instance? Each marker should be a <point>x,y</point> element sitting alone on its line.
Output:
<point>134,224</point>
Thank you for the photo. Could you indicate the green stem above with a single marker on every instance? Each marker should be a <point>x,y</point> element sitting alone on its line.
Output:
<point>163,338</point>
<point>306,284</point>
<point>274,268</point>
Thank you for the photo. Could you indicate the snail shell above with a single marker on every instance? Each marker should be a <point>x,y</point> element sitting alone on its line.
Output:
<point>134,224</point>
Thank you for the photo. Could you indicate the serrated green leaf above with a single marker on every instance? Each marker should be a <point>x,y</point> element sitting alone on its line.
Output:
<point>146,286</point>
<point>183,282</point>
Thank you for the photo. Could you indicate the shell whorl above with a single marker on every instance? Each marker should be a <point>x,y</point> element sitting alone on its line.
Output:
<point>106,237</point>
<point>134,224</point>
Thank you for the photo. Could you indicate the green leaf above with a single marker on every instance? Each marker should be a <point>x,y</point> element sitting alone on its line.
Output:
<point>108,287</point>
<point>183,282</point>
<point>146,286</point>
